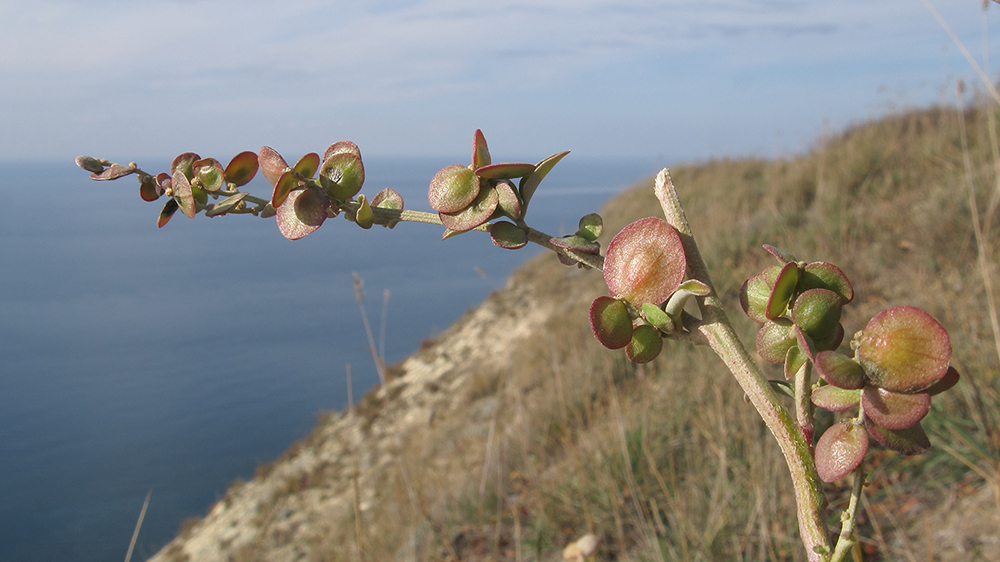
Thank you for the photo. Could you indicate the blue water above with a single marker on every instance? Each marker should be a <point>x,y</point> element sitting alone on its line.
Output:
<point>179,359</point>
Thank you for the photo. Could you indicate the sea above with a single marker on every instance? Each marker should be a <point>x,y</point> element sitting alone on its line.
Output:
<point>177,360</point>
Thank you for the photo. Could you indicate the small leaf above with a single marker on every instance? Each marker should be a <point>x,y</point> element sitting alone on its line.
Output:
<point>840,450</point>
<point>241,169</point>
<point>226,205</point>
<point>783,256</point>
<point>341,147</point>
<point>285,184</point>
<point>657,317</point>
<point>904,349</point>
<point>208,174</point>
<point>756,291</point>
<point>836,399</point>
<point>577,244</point>
<point>949,380</point>
<point>774,339</point>
<point>504,171</point>
<point>822,275</point>
<point>364,216</point>
<point>645,345</point>
<point>782,292</point>
<point>342,175</point>
<point>645,262</point>
<point>910,441</point>
<point>611,323</point>
<point>90,164</point>
<point>510,201</point>
<point>590,227</point>
<point>388,199</point>
<point>480,152</point>
<point>453,189</point>
<point>478,212</point>
<point>839,370</point>
<point>114,172</point>
<point>149,189</point>
<point>183,193</point>
<point>169,208</point>
<point>528,185</point>
<point>272,165</point>
<point>185,163</point>
<point>306,166</point>
<point>892,410</point>
<point>508,235</point>
<point>817,312</point>
<point>794,359</point>
<point>302,212</point>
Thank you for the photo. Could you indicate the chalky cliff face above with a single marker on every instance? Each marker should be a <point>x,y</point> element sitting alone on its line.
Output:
<point>431,405</point>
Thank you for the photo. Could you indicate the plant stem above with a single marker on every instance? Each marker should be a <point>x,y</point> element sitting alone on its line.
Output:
<point>720,335</point>
<point>846,540</point>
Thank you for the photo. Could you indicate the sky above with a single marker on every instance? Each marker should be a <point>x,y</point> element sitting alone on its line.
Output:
<point>676,80</point>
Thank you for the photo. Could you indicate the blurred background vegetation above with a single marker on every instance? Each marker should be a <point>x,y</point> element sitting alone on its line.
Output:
<point>666,461</point>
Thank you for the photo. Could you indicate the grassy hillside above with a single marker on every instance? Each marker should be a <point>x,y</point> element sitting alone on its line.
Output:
<point>666,461</point>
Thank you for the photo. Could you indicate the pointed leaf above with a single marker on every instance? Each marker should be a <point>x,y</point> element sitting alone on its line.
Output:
<point>782,292</point>
<point>529,184</point>
<point>226,205</point>
<point>480,152</point>
<point>169,208</point>
<point>364,216</point>
<point>783,256</point>
<point>504,171</point>
<point>114,172</point>
<point>241,169</point>
<point>794,359</point>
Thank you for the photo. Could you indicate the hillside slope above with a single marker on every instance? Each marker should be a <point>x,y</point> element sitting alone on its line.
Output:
<point>515,432</point>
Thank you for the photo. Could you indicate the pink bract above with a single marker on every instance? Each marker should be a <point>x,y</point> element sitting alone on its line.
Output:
<point>645,262</point>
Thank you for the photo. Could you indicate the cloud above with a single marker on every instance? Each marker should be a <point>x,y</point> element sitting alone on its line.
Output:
<point>175,64</point>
